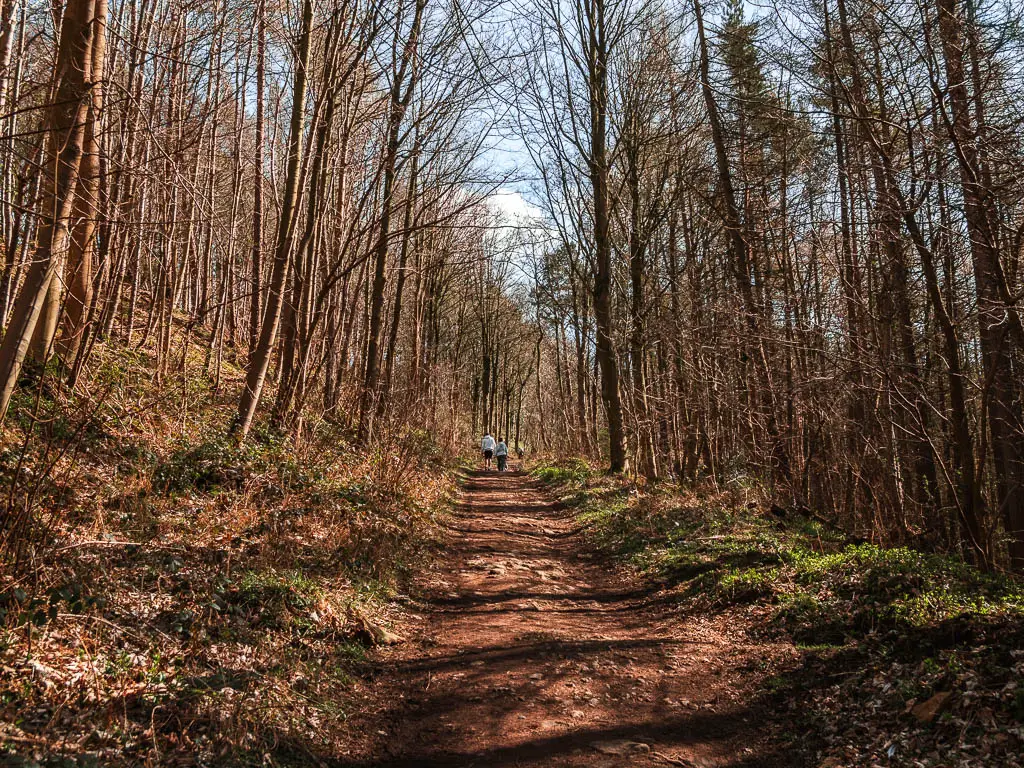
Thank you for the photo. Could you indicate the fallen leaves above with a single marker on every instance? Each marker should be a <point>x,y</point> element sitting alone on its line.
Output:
<point>213,623</point>
<point>926,711</point>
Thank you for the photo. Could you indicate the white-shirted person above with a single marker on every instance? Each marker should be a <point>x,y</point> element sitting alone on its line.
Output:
<point>487,446</point>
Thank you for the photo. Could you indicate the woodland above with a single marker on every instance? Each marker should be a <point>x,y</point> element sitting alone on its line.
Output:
<point>743,280</point>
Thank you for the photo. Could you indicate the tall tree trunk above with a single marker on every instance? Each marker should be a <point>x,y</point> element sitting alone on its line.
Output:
<point>71,98</point>
<point>598,168</point>
<point>78,274</point>
<point>998,320</point>
<point>260,362</point>
<point>403,258</point>
<point>739,249</point>
<point>256,265</point>
<point>637,346</point>
<point>401,94</point>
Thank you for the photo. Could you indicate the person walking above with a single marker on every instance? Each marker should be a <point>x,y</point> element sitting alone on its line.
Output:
<point>501,452</point>
<point>487,448</point>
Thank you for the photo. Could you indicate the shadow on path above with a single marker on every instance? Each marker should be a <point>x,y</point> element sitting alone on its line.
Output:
<point>531,655</point>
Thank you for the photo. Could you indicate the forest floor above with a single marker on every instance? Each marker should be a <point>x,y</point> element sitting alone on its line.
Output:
<point>525,649</point>
<point>187,601</point>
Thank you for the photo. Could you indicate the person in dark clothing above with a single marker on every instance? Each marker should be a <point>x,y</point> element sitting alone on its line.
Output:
<point>501,453</point>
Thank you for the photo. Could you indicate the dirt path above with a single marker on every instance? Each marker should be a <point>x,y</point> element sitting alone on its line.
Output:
<point>529,654</point>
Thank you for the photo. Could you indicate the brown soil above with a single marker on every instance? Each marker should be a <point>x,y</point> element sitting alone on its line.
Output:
<point>528,652</point>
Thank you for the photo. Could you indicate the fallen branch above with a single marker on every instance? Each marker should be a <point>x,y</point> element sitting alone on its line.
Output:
<point>109,543</point>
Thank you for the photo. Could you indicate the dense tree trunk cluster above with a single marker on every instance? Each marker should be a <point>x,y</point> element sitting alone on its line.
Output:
<point>814,221</point>
<point>780,251</point>
<point>301,180</point>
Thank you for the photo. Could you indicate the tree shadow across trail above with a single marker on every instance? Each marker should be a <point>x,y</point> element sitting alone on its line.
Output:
<point>526,653</point>
<point>530,655</point>
<point>584,747</point>
<point>611,599</point>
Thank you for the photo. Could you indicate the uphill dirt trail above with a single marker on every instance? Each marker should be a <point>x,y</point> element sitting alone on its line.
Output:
<point>530,653</point>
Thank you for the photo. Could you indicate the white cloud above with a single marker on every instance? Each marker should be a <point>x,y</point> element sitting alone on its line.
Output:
<point>513,207</point>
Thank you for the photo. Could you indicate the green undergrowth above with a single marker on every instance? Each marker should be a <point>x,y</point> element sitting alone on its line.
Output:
<point>717,552</point>
<point>880,629</point>
<point>182,598</point>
